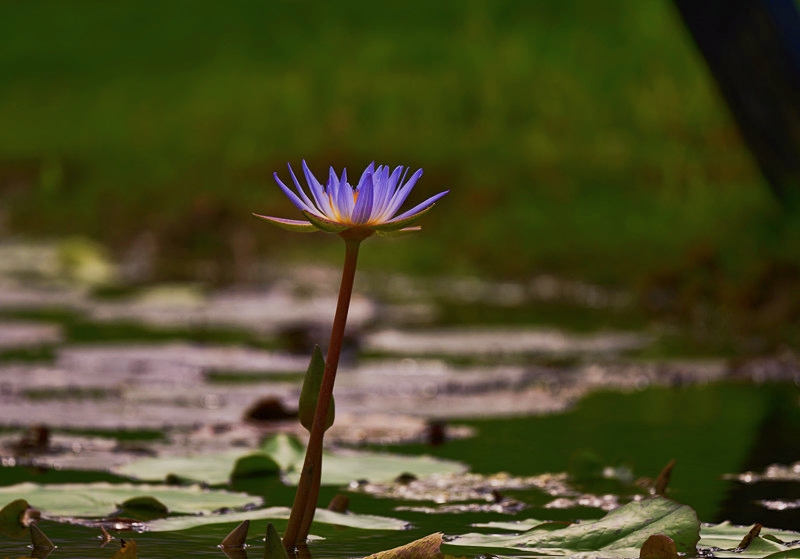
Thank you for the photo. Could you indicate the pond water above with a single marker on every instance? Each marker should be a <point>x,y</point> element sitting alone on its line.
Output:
<point>517,381</point>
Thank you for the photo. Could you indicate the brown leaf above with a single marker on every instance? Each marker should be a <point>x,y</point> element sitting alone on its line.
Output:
<point>237,536</point>
<point>428,547</point>
<point>39,540</point>
<point>128,550</point>
<point>340,503</point>
<point>660,485</point>
<point>658,546</point>
<point>748,539</point>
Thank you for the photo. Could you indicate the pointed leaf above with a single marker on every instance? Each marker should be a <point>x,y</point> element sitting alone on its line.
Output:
<point>273,546</point>
<point>237,537</point>
<point>39,540</point>
<point>309,395</point>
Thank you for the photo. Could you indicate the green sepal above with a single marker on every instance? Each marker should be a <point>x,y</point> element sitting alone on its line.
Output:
<point>400,224</point>
<point>309,394</point>
<point>289,224</point>
<point>399,232</point>
<point>325,224</point>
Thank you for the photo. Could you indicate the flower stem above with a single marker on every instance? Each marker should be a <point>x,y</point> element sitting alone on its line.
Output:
<point>305,500</point>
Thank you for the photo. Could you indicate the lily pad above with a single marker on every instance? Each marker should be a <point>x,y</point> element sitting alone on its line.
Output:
<point>725,539</point>
<point>323,516</point>
<point>100,499</point>
<point>620,533</point>
<point>340,467</point>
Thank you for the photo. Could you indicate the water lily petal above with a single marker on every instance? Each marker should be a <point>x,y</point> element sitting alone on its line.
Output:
<point>312,207</point>
<point>290,224</point>
<point>424,205</point>
<point>400,196</point>
<point>384,190</point>
<point>396,225</point>
<point>299,204</point>
<point>363,206</point>
<point>370,170</point>
<point>317,190</point>
<point>343,200</point>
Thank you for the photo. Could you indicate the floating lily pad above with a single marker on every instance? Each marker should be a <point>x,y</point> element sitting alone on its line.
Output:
<point>620,533</point>
<point>726,538</point>
<point>323,516</point>
<point>339,467</point>
<point>100,499</point>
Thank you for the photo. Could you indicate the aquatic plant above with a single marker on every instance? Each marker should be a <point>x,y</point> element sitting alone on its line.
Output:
<point>354,213</point>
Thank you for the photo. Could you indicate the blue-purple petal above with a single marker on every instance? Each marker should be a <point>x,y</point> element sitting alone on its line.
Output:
<point>312,207</point>
<point>316,190</point>
<point>418,208</point>
<point>401,195</point>
<point>363,206</point>
<point>299,204</point>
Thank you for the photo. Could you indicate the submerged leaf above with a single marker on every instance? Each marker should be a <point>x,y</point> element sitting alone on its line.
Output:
<point>428,547</point>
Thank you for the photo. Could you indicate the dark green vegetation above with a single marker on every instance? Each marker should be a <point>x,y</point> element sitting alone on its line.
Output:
<point>579,138</point>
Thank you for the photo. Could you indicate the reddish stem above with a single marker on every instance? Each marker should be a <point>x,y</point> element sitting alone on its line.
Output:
<point>305,500</point>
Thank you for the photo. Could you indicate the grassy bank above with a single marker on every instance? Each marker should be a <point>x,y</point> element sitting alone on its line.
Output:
<point>577,137</point>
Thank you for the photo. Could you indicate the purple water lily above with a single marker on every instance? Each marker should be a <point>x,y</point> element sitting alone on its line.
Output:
<point>371,206</point>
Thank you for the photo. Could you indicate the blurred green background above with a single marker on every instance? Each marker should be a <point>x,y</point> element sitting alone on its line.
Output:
<point>579,138</point>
